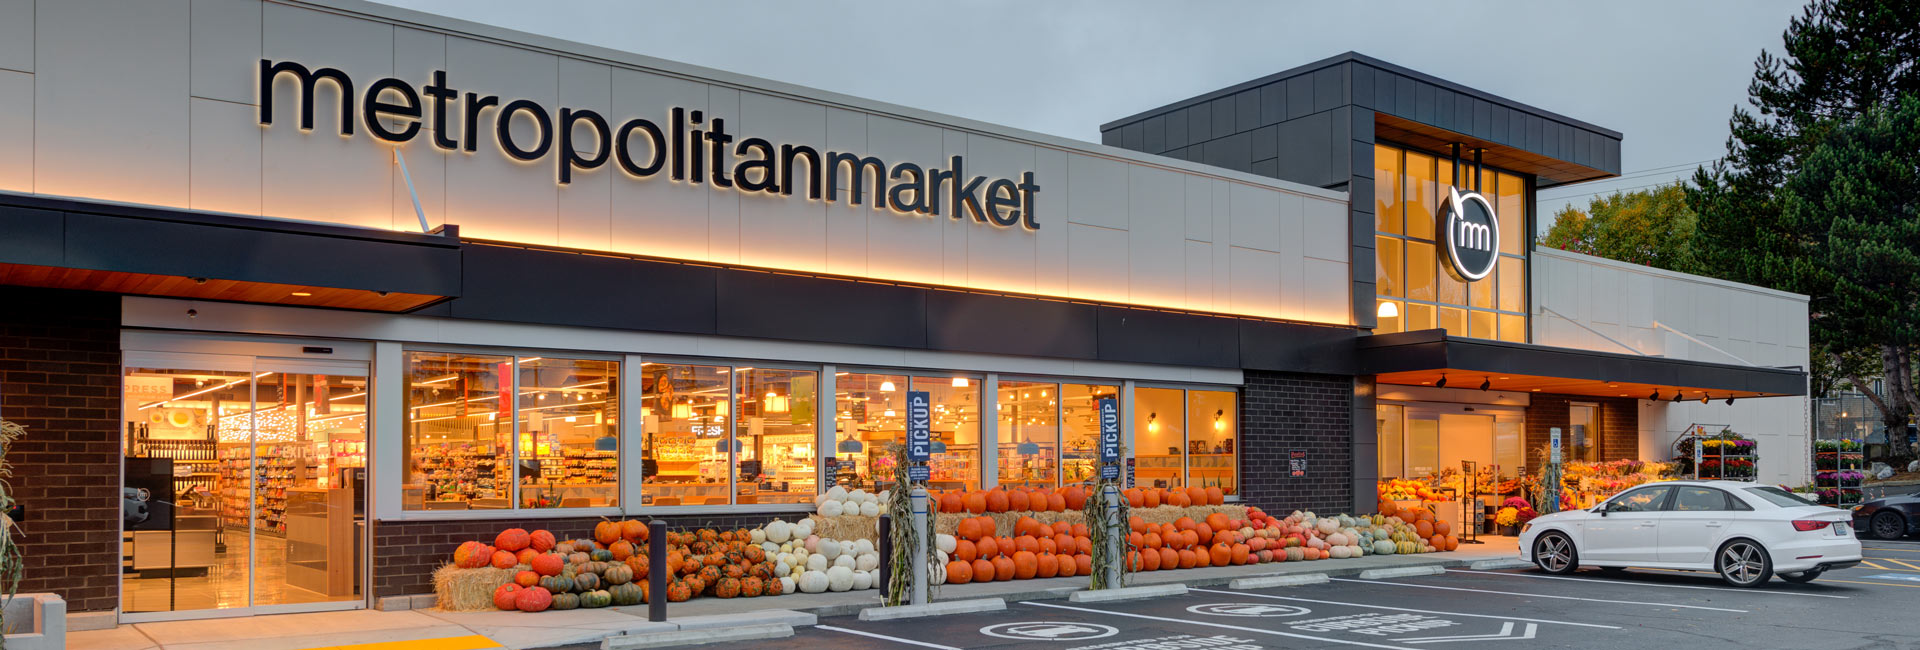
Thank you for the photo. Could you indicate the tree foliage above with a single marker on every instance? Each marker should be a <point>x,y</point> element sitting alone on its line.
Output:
<point>1649,227</point>
<point>1808,198</point>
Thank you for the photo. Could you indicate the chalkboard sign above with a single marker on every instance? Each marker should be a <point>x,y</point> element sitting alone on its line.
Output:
<point>749,470</point>
<point>918,473</point>
<point>831,475</point>
<point>1297,463</point>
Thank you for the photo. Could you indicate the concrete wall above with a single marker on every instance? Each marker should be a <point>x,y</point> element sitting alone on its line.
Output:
<point>1623,301</point>
<point>156,103</point>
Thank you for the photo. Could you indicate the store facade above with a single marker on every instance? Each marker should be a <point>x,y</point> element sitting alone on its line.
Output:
<point>358,283</point>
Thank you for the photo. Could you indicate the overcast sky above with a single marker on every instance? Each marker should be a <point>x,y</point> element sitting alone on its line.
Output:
<point>1666,74</point>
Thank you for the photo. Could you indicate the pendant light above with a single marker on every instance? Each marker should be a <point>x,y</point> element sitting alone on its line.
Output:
<point>682,410</point>
<point>1219,424</point>
<point>937,447</point>
<point>1389,310</point>
<point>886,386</point>
<point>850,445</point>
<point>960,382</point>
<point>775,403</point>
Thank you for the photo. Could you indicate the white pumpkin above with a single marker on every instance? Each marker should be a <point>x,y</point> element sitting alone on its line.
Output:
<point>786,584</point>
<point>832,509</point>
<point>770,547</point>
<point>828,547</point>
<point>946,543</point>
<point>862,546</point>
<point>867,561</point>
<point>870,509</point>
<point>839,579</point>
<point>836,493</point>
<point>846,560</point>
<point>804,529</point>
<point>782,567</point>
<point>862,580</point>
<point>779,532</point>
<point>1328,526</point>
<point>1356,550</point>
<point>816,563</point>
<point>944,558</point>
<point>1338,540</point>
<point>938,577</point>
<point>859,496</point>
<point>813,544</point>
<point>757,535</point>
<point>1340,551</point>
<point>813,582</point>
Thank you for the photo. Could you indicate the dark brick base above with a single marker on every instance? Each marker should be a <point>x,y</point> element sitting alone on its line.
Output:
<point>1284,411</point>
<point>405,554</point>
<point>1619,426</point>
<point>60,378</point>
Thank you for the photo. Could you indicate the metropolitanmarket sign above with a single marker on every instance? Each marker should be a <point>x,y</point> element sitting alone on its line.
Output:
<point>1470,233</point>
<point>691,149</point>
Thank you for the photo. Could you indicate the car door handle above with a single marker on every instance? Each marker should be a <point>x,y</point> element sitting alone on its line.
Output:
<point>1713,524</point>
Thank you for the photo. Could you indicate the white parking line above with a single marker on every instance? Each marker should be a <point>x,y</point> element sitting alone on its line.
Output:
<point>1516,593</point>
<point>1648,584</point>
<point>1218,625</point>
<point>894,639</point>
<point>1403,609</point>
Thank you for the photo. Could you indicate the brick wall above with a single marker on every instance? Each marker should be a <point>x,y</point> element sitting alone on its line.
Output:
<point>405,554</point>
<point>1619,425</point>
<point>1286,411</point>
<point>60,377</point>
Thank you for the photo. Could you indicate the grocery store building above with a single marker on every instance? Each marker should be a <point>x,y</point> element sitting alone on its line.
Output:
<point>298,294</point>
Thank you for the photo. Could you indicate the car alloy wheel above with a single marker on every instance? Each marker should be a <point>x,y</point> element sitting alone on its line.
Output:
<point>1554,554</point>
<point>1744,564</point>
<point>1889,525</point>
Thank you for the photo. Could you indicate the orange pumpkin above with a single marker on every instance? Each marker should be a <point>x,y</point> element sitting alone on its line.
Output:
<point>1135,499</point>
<point>1388,508</point>
<point>1019,501</point>
<point>1065,543</point>
<point>1076,497</point>
<point>1216,496</point>
<point>1238,553</point>
<point>1047,545</point>
<point>969,529</point>
<point>1061,528</point>
<point>1202,533</point>
<point>959,572</point>
<point>1196,496</point>
<point>1083,564</point>
<point>1217,521</point>
<point>622,550</point>
<point>1219,554</point>
<point>1136,524</point>
<point>511,540</point>
<point>997,501</point>
<point>1150,560</point>
<point>1188,559</point>
<point>982,571</point>
<point>1133,561</point>
<point>1184,523</point>
<point>1056,503</point>
<point>1151,499</point>
<point>526,578</point>
<point>541,540</point>
<point>1150,540</point>
<point>1025,564</point>
<point>1003,568</point>
<point>976,502</point>
<point>1424,528</point>
<point>965,551</point>
<point>1067,566</point>
<point>1169,558</point>
<point>1442,528</point>
<point>525,556</point>
<point>606,532</point>
<point>1078,530</point>
<point>1045,565</point>
<point>988,547</point>
<point>1453,542</point>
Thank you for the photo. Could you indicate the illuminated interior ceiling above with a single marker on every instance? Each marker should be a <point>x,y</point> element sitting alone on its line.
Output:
<point>1426,357</point>
<point>147,284</point>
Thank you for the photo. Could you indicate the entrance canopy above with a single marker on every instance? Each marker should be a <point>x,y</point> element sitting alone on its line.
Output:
<point>1429,357</point>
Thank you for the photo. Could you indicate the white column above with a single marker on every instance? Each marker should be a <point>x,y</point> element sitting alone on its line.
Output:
<point>826,415</point>
<point>632,432</point>
<point>990,432</point>
<point>387,398</point>
<point>1126,428</point>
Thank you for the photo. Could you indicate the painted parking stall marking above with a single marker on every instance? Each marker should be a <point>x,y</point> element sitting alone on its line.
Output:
<point>1556,597</point>
<point>1178,642</point>
<point>1049,631</point>
<point>1894,576</point>
<point>1406,609</point>
<point>1248,609</point>
<point>1373,623</point>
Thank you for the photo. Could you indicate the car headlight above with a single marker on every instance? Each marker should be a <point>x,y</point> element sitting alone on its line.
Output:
<point>1856,508</point>
<point>1524,527</point>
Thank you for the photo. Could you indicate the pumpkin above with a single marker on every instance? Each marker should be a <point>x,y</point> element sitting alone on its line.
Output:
<point>1196,496</point>
<point>976,504</point>
<point>959,572</point>
<point>1003,568</point>
<point>1067,567</point>
<point>525,556</point>
<point>557,584</point>
<point>727,587</point>
<point>1151,499</point>
<point>466,552</point>
<point>532,600</point>
<point>540,540</point>
<point>1075,497</point>
<point>1045,565</point>
<point>679,591</point>
<point>707,574</point>
<point>601,555</point>
<point>526,578</point>
<point>752,587</point>
<point>1135,498</point>
<point>983,571</point>
<point>1423,528</point>
<point>988,547</point>
<point>626,594</point>
<point>1019,501</point>
<point>504,596</point>
<point>1169,558</point>
<point>634,531</point>
<point>586,581</point>
<point>566,601</point>
<point>1187,558</point>
<point>511,539</point>
<point>504,560</point>
<point>639,565</point>
<point>620,550</point>
<point>965,551</point>
<point>1216,496</point>
<point>579,557</point>
<point>813,582</point>
<point>606,532</point>
<point>547,564</point>
<point>617,574</point>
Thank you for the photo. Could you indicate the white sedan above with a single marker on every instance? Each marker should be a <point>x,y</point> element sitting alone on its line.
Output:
<point>1745,532</point>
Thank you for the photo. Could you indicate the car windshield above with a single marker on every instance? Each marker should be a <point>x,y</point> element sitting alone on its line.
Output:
<point>1779,497</point>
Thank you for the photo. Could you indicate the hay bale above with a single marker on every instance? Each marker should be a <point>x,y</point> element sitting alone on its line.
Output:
<point>468,590</point>
<point>847,527</point>
<point>949,522</point>
<point>1169,514</point>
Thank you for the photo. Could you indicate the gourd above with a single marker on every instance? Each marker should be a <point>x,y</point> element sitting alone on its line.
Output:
<point>839,578</point>
<point>870,509</point>
<point>831,509</point>
<point>779,532</point>
<point>862,580</point>
<point>1383,547</point>
<point>812,582</point>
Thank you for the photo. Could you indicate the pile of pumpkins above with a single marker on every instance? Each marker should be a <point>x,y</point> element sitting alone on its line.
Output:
<point>1037,550</point>
<point>814,564</point>
<point>1018,499</point>
<point>1176,497</point>
<point>837,501</point>
<point>1215,540</point>
<point>553,574</point>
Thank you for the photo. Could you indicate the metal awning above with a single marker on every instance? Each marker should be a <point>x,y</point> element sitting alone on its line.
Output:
<point>1427,357</point>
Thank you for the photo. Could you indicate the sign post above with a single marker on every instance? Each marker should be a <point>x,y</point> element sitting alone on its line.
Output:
<point>1550,492</point>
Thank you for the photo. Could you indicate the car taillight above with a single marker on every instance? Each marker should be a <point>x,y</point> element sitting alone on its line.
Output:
<point>1804,525</point>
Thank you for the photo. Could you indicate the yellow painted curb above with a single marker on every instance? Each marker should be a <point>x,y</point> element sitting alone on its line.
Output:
<point>470,642</point>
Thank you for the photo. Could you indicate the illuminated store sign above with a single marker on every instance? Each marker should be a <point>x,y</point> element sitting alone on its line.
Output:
<point>1471,234</point>
<point>692,148</point>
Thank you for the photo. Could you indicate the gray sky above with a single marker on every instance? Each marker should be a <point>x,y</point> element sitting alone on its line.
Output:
<point>1666,74</point>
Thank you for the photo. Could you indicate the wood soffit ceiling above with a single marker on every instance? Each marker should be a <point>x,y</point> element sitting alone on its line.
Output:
<point>1550,170</point>
<point>1470,379</point>
<point>146,284</point>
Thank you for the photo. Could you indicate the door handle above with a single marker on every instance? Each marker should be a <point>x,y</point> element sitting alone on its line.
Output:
<point>1713,524</point>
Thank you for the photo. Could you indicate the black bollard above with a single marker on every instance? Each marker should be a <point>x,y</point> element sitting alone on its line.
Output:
<point>657,571</point>
<point>886,554</point>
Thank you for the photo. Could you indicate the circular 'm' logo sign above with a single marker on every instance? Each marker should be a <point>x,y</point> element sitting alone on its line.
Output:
<point>1470,234</point>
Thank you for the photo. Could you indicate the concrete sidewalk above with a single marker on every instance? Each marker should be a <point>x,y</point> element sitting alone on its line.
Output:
<point>432,629</point>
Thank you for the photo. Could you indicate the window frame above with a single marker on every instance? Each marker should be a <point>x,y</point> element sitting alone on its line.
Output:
<point>1529,185</point>
<point>1186,433</point>
<point>1726,505</point>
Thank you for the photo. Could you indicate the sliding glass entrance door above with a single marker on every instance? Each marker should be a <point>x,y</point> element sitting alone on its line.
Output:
<point>245,485</point>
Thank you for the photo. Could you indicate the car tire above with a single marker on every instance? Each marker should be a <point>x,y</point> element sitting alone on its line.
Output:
<point>1743,563</point>
<point>1613,570</point>
<point>1802,577</point>
<point>1888,524</point>
<point>1554,553</point>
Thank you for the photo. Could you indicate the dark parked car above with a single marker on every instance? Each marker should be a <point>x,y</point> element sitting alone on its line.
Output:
<point>1889,517</point>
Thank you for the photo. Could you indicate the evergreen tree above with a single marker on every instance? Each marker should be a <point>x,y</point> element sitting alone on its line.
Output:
<point>1766,211</point>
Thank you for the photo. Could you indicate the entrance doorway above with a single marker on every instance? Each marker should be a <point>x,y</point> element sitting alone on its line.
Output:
<point>244,486</point>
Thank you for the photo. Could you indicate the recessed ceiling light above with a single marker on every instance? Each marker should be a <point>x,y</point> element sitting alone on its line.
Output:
<point>302,294</point>
<point>1536,390</point>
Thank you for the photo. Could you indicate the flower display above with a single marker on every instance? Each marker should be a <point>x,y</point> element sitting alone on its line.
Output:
<point>1507,516</point>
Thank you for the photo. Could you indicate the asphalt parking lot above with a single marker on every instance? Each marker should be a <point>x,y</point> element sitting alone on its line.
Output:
<point>1870,605</point>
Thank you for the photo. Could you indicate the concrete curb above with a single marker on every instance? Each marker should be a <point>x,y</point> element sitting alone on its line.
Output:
<point>1488,565</point>
<point>1403,572</point>
<point>786,617</point>
<point>933,609</point>
<point>1128,593</point>
<point>697,637</point>
<point>1294,580</point>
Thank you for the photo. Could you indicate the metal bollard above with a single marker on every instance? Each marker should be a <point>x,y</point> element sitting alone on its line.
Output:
<point>1116,531</point>
<point>657,571</point>
<point>886,556</point>
<point>918,499</point>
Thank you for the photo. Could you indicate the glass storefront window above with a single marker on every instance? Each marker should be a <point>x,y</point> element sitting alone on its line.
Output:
<point>1513,284</point>
<point>1029,433</point>
<point>1510,201</point>
<point>569,433</point>
<point>459,431</point>
<point>1160,437</point>
<point>1454,321</point>
<point>871,413</point>
<point>1513,327</point>
<point>1481,324</point>
<point>1212,445</point>
<point>1392,440</point>
<point>1583,433</point>
<point>1080,431</point>
<point>1386,189</point>
<point>1387,270</point>
<point>685,415</point>
<point>1408,265</point>
<point>1420,192</point>
<point>775,440</point>
<point>1388,324</point>
<point>1420,317</point>
<point>1420,269</point>
<point>955,463</point>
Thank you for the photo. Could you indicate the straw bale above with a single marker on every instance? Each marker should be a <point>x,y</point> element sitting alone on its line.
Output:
<point>467,590</point>
<point>847,527</point>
